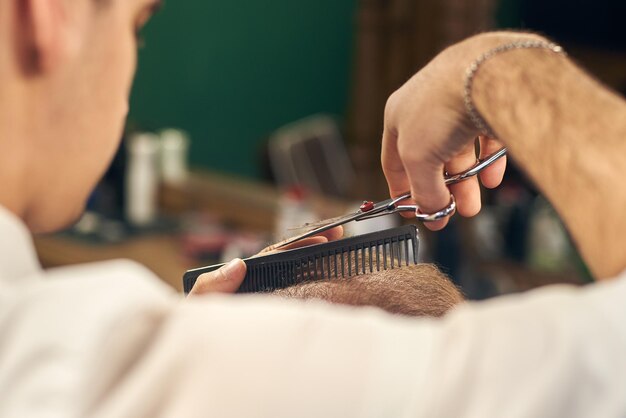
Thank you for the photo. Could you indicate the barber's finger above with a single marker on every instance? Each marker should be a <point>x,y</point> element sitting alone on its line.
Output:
<point>275,248</point>
<point>492,176</point>
<point>466,192</point>
<point>393,168</point>
<point>395,174</point>
<point>428,189</point>
<point>332,234</point>
<point>227,279</point>
<point>329,235</point>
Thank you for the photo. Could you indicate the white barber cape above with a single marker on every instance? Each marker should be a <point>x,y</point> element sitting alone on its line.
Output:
<point>109,340</point>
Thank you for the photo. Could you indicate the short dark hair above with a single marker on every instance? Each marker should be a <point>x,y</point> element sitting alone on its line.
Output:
<point>414,290</point>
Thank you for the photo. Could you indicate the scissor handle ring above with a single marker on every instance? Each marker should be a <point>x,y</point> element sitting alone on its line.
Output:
<point>429,217</point>
<point>440,214</point>
<point>457,178</point>
<point>476,168</point>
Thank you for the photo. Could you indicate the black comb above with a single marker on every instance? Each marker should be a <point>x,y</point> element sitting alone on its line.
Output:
<point>342,258</point>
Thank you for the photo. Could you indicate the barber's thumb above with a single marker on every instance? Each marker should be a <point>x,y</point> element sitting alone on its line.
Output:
<point>226,279</point>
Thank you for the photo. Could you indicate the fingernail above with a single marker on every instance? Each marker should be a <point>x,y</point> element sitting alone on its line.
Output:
<point>230,268</point>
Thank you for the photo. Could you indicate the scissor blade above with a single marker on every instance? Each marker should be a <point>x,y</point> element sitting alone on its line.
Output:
<point>327,224</point>
<point>312,225</point>
<point>321,226</point>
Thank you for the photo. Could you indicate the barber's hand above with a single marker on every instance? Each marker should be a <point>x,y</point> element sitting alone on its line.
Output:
<point>228,278</point>
<point>427,131</point>
<point>326,236</point>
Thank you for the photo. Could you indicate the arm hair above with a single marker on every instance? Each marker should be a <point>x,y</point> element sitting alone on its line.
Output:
<point>568,132</point>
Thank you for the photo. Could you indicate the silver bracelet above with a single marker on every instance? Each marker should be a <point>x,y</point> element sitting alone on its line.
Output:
<point>470,73</point>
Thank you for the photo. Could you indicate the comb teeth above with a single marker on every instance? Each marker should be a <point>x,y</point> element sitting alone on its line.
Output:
<point>336,259</point>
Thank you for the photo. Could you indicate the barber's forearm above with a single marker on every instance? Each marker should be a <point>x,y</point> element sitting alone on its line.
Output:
<point>569,134</point>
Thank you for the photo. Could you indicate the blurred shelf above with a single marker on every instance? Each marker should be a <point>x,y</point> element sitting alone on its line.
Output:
<point>241,203</point>
<point>158,253</point>
<point>245,203</point>
<point>513,276</point>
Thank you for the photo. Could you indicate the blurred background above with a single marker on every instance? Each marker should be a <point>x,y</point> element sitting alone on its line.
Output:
<point>250,118</point>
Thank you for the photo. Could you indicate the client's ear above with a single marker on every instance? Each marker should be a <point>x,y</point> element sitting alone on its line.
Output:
<point>42,34</point>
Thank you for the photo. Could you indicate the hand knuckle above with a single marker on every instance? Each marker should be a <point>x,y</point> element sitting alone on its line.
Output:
<point>391,104</point>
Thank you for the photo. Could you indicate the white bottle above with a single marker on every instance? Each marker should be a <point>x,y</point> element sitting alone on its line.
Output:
<point>142,179</point>
<point>174,150</point>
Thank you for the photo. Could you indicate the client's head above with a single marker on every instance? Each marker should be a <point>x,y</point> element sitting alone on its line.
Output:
<point>414,290</point>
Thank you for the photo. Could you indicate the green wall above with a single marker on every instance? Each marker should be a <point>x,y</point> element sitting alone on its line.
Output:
<point>230,72</point>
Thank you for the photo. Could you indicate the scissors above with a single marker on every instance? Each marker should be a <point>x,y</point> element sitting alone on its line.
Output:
<point>370,210</point>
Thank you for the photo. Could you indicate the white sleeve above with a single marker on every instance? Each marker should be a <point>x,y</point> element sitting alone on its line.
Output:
<point>555,352</point>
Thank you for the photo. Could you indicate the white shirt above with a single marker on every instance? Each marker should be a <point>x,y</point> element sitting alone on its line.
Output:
<point>109,340</point>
